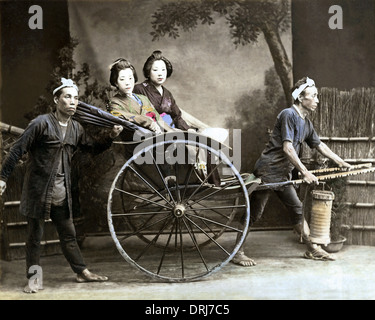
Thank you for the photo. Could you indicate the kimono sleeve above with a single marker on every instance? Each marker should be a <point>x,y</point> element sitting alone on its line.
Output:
<point>177,116</point>
<point>141,120</point>
<point>21,147</point>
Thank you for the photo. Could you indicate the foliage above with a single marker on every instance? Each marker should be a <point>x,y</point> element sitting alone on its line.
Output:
<point>255,116</point>
<point>246,19</point>
<point>90,90</point>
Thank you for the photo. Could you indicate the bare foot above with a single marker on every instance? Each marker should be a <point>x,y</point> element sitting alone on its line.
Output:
<point>87,276</point>
<point>242,260</point>
<point>33,286</point>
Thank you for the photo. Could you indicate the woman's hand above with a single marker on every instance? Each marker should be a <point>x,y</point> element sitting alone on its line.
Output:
<point>155,127</point>
<point>3,186</point>
<point>116,130</point>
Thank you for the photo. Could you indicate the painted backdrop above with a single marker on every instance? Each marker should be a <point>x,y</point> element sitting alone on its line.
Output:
<point>210,73</point>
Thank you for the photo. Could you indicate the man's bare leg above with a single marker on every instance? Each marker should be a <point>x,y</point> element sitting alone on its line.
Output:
<point>240,258</point>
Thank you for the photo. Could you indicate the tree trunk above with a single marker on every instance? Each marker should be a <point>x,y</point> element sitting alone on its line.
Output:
<point>282,63</point>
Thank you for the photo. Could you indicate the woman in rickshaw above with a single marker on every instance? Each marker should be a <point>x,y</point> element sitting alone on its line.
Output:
<point>156,70</point>
<point>137,108</point>
<point>133,107</point>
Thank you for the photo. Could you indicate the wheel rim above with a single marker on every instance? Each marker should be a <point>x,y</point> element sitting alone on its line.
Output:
<point>172,228</point>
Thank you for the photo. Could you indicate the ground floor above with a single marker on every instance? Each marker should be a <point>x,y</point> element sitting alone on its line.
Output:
<point>281,273</point>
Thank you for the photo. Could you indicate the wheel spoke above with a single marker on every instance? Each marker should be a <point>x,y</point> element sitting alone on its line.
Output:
<point>204,222</point>
<point>181,250</point>
<point>142,198</point>
<point>166,246</point>
<point>192,236</point>
<point>215,222</point>
<point>162,228</point>
<point>162,178</point>
<point>188,176</point>
<point>154,240</point>
<point>136,213</point>
<point>208,236</point>
<point>221,207</point>
<point>149,185</point>
<point>144,227</point>
<point>208,208</point>
<point>215,192</point>
<point>178,194</point>
<point>203,182</point>
<point>146,204</point>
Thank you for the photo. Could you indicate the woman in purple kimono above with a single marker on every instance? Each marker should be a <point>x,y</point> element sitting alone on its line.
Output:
<point>156,71</point>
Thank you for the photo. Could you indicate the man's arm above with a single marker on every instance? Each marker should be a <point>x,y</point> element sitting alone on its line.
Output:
<point>98,141</point>
<point>19,148</point>
<point>327,152</point>
<point>295,160</point>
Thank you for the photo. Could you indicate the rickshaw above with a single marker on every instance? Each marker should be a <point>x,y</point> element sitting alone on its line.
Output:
<point>169,214</point>
<point>173,216</point>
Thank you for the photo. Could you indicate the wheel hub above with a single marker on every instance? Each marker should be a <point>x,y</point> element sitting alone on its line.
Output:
<point>179,210</point>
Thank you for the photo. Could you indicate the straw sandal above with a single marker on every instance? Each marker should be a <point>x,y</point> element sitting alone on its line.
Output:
<point>319,254</point>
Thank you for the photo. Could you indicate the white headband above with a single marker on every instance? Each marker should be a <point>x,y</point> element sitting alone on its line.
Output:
<point>65,83</point>
<point>297,92</point>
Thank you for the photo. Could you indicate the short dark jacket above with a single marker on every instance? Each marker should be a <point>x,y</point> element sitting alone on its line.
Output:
<point>42,140</point>
<point>273,164</point>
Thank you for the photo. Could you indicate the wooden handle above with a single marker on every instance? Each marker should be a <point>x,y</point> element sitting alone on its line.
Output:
<point>320,178</point>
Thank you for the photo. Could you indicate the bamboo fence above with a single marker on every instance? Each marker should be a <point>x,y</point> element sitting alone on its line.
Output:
<point>345,121</point>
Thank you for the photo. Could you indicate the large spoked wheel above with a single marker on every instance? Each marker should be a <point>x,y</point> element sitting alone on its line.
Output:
<point>171,225</point>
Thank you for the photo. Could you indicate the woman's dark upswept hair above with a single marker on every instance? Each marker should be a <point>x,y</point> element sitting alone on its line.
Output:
<point>156,55</point>
<point>117,66</point>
